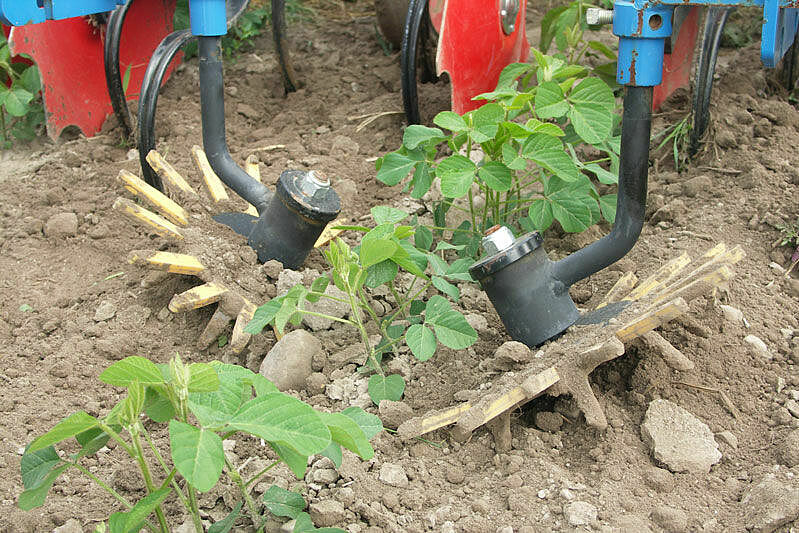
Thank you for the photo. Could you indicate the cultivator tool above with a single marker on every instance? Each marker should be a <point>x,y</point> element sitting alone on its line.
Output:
<point>630,312</point>
<point>289,239</point>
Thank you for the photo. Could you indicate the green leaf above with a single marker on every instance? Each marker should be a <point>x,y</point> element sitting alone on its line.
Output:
<point>592,122</point>
<point>487,118</point>
<point>550,101</point>
<point>548,152</point>
<point>421,341</point>
<point>197,454</point>
<point>34,497</point>
<point>263,386</point>
<point>593,91</point>
<point>130,369</point>
<point>347,433</point>
<point>607,204</point>
<point>511,73</point>
<point>446,287</point>
<point>303,524</point>
<point>395,168</point>
<point>416,134</point>
<point>456,174</point>
<point>547,128</point>
<point>282,502</point>
<point>133,403</point>
<point>35,466</point>
<point>450,121</point>
<point>370,424</point>
<point>459,269</point>
<point>604,176</point>
<point>388,215</point>
<point>31,80</point>
<point>226,524</point>
<point>496,175</point>
<point>574,208</point>
<point>435,307</point>
<point>333,452</point>
<point>453,331</point>
<point>423,238</point>
<point>540,213</point>
<point>386,388</point>
<point>69,427</point>
<point>281,418</point>
<point>263,316</point>
<point>297,462</point>
<point>157,406</point>
<point>548,27</point>
<point>438,265</point>
<point>131,521</point>
<point>16,102</point>
<point>318,285</point>
<point>214,409</point>
<point>375,251</point>
<point>422,180</point>
<point>285,313</point>
<point>203,378</point>
<point>602,49</point>
<point>381,273</point>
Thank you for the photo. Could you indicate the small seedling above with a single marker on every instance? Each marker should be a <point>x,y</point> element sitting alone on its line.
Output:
<point>21,111</point>
<point>202,405</point>
<point>383,252</point>
<point>790,237</point>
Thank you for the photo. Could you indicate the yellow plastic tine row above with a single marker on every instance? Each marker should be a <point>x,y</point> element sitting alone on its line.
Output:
<point>663,275</point>
<point>251,168</point>
<point>168,172</point>
<point>702,285</point>
<point>652,320</point>
<point>718,255</point>
<point>168,261</point>
<point>240,338</point>
<point>216,189</point>
<point>157,223</point>
<point>620,289</point>
<point>162,202</point>
<point>197,297</point>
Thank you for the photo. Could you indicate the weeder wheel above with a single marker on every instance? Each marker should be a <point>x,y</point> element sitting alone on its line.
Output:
<point>563,366</point>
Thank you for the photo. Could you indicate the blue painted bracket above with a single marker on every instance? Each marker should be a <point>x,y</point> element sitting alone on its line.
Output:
<point>22,12</point>
<point>641,41</point>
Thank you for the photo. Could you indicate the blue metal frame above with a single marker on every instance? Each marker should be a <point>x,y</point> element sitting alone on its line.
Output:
<point>642,27</point>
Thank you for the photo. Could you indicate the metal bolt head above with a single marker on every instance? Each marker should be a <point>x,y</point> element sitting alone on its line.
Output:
<point>597,16</point>
<point>311,182</point>
<point>497,239</point>
<point>508,10</point>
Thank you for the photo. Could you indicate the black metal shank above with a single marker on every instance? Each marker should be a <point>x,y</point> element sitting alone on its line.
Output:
<point>281,45</point>
<point>113,77</point>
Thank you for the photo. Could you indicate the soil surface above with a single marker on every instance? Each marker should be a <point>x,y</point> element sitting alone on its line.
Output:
<point>71,304</point>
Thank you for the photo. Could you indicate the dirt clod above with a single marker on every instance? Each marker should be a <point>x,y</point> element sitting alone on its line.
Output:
<point>289,363</point>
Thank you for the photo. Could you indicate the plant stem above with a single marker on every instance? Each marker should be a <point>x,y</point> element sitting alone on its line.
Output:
<point>103,485</point>
<point>194,508</point>
<point>118,438</point>
<point>471,209</point>
<point>322,315</point>
<point>236,477</point>
<point>257,476</point>
<point>167,471</point>
<point>397,298</point>
<point>145,470</point>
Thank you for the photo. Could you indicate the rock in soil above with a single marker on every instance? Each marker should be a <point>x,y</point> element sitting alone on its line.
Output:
<point>393,414</point>
<point>393,475</point>
<point>71,526</point>
<point>549,421</point>
<point>61,225</point>
<point>288,363</point>
<point>670,519</point>
<point>757,346</point>
<point>579,513</point>
<point>789,449</point>
<point>328,307</point>
<point>769,505</point>
<point>678,439</point>
<point>327,513</point>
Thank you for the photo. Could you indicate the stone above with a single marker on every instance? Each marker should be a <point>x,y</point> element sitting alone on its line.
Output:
<point>328,307</point>
<point>325,476</point>
<point>455,475</point>
<point>670,519</point>
<point>248,111</point>
<point>393,475</point>
<point>579,513</point>
<point>70,526</point>
<point>61,225</point>
<point>511,354</point>
<point>757,346</point>
<point>327,513</point>
<point>393,414</point>
<point>696,185</point>
<point>316,383</point>
<point>659,479</point>
<point>789,449</point>
<point>731,314</point>
<point>343,145</point>
<point>728,438</point>
<point>105,311</point>
<point>347,191</point>
<point>548,421</point>
<point>793,407</point>
<point>770,504</point>
<point>287,279</point>
<point>288,363</point>
<point>272,268</point>
<point>478,322</point>
<point>678,439</point>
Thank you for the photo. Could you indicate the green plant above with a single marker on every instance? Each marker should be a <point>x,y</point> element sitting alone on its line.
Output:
<point>565,26</point>
<point>526,137</point>
<point>678,135</point>
<point>376,262</point>
<point>21,111</point>
<point>202,405</point>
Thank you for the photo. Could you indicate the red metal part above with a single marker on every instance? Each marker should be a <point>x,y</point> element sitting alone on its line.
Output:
<point>473,49</point>
<point>69,54</point>
<point>677,64</point>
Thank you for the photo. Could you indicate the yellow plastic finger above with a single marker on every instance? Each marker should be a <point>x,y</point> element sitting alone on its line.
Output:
<point>162,202</point>
<point>663,275</point>
<point>157,223</point>
<point>251,168</point>
<point>216,189</point>
<point>168,172</point>
<point>168,261</point>
<point>240,338</point>
<point>620,289</point>
<point>197,297</point>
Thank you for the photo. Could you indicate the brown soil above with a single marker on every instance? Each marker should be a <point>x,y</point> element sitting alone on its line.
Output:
<point>743,184</point>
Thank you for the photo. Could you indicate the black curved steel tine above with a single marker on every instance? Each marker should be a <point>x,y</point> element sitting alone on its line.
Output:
<point>113,77</point>
<point>234,9</point>
<point>408,55</point>
<point>148,99</point>
<point>715,20</point>
<point>281,45</point>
